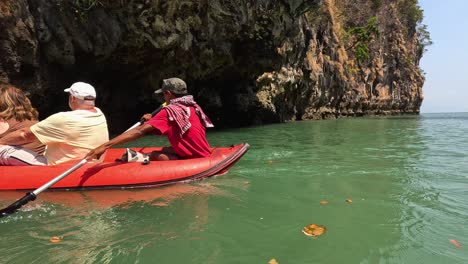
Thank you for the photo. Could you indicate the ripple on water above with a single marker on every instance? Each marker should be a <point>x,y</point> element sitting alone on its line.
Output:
<point>407,178</point>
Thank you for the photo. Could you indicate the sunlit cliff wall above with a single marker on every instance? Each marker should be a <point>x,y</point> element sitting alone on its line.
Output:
<point>246,62</point>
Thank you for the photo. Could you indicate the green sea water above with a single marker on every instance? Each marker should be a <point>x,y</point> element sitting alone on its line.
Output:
<point>407,178</point>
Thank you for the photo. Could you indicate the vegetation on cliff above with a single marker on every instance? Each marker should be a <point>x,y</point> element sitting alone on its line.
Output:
<point>247,62</point>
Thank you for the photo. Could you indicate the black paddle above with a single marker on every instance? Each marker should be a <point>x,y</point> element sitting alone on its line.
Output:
<point>31,196</point>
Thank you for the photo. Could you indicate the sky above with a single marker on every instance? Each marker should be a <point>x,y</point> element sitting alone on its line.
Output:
<point>446,62</point>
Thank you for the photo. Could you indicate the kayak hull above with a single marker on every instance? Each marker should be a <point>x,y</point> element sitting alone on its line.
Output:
<point>112,174</point>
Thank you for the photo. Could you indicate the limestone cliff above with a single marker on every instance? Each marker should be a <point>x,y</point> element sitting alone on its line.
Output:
<point>247,62</point>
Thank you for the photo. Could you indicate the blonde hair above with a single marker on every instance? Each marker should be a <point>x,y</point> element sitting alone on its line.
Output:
<point>14,104</point>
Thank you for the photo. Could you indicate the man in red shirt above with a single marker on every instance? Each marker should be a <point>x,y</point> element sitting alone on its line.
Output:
<point>182,120</point>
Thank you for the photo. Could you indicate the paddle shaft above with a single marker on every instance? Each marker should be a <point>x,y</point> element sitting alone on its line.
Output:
<point>139,123</point>
<point>58,178</point>
<point>31,196</point>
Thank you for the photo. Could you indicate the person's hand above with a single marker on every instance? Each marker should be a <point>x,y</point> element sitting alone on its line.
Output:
<point>146,117</point>
<point>96,153</point>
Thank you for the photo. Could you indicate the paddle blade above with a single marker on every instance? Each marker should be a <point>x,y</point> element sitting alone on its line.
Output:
<point>17,205</point>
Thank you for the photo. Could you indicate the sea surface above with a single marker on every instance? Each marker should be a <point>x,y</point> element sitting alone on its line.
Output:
<point>387,190</point>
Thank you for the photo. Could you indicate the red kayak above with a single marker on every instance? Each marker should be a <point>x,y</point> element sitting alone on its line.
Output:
<point>116,174</point>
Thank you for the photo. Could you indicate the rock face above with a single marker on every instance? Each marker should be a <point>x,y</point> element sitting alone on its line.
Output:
<point>246,62</point>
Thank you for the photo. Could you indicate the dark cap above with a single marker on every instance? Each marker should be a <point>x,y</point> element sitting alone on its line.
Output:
<point>174,85</point>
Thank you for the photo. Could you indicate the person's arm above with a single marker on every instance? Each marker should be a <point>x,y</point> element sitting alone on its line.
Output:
<point>121,139</point>
<point>19,137</point>
<point>146,117</point>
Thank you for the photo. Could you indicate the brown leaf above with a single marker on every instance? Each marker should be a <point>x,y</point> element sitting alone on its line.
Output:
<point>272,261</point>
<point>55,239</point>
<point>314,230</point>
<point>318,231</point>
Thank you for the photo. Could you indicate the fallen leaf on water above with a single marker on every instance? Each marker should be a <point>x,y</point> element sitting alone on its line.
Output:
<point>270,162</point>
<point>314,230</point>
<point>272,261</point>
<point>455,243</point>
<point>55,239</point>
<point>323,202</point>
<point>349,200</point>
<point>246,182</point>
<point>318,231</point>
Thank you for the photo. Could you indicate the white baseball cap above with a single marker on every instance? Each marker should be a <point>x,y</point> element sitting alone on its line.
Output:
<point>81,90</point>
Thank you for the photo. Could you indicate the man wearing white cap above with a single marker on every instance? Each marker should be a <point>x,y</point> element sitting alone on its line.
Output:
<point>67,135</point>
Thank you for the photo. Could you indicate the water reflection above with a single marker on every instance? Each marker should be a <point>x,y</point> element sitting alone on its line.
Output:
<point>102,226</point>
<point>406,177</point>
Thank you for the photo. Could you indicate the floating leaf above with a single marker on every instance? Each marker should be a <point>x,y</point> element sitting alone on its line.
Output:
<point>314,230</point>
<point>323,202</point>
<point>455,243</point>
<point>272,261</point>
<point>55,239</point>
<point>349,200</point>
<point>318,231</point>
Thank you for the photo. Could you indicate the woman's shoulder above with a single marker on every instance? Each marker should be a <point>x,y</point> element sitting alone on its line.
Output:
<point>4,126</point>
<point>13,125</point>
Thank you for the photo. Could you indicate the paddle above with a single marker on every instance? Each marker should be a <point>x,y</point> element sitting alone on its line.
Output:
<point>31,196</point>
<point>143,120</point>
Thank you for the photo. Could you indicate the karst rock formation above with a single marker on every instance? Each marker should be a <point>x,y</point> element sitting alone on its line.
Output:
<point>246,62</point>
